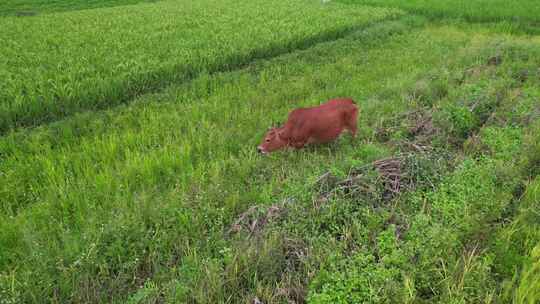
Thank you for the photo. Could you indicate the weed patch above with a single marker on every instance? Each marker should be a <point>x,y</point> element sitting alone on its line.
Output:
<point>432,245</point>
<point>257,217</point>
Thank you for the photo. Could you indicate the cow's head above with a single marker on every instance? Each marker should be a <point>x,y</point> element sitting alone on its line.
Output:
<point>273,140</point>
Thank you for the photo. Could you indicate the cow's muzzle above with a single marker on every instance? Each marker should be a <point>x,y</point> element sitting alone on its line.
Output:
<point>261,150</point>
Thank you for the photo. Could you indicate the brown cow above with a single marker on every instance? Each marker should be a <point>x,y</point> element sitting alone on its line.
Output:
<point>319,124</point>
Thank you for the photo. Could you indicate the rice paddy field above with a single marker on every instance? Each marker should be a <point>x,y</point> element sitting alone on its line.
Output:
<point>129,174</point>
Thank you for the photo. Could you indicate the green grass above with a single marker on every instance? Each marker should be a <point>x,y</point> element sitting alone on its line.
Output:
<point>185,165</point>
<point>32,7</point>
<point>476,10</point>
<point>138,181</point>
<point>55,65</point>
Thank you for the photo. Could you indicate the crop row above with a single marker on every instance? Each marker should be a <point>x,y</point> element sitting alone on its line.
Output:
<point>27,8</point>
<point>54,65</point>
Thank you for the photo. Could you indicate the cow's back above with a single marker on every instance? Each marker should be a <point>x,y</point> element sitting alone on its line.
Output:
<point>334,107</point>
<point>321,123</point>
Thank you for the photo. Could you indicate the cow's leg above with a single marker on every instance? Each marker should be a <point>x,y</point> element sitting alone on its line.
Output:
<point>351,122</point>
<point>299,137</point>
<point>353,131</point>
<point>298,144</point>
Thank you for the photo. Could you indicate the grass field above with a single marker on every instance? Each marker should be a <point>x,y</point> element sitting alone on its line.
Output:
<point>128,172</point>
<point>87,60</point>
<point>477,10</point>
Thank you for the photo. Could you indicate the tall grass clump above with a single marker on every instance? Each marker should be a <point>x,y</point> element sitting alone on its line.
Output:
<point>516,248</point>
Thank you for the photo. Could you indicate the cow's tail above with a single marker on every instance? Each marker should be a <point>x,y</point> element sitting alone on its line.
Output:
<point>352,113</point>
<point>353,109</point>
